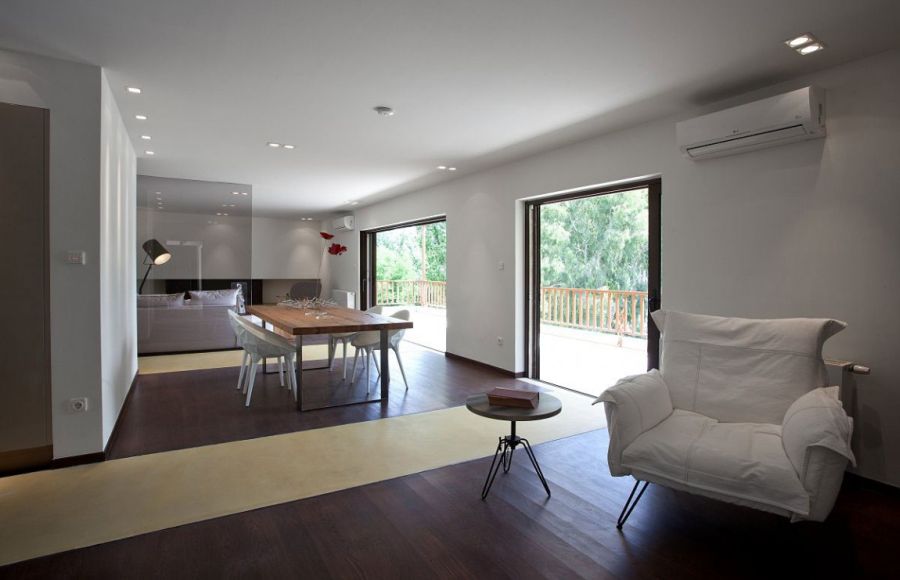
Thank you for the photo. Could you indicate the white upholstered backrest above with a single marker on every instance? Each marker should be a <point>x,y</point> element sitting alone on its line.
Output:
<point>739,369</point>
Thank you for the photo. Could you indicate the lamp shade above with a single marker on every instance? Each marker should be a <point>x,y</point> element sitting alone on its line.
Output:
<point>157,252</point>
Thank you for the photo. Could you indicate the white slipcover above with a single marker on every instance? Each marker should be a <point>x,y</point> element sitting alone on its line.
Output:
<point>737,412</point>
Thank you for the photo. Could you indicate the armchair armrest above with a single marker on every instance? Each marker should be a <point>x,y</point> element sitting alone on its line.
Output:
<point>633,405</point>
<point>816,435</point>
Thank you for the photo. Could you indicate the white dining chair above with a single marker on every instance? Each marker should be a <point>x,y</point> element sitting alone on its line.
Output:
<point>344,338</point>
<point>370,341</point>
<point>258,344</point>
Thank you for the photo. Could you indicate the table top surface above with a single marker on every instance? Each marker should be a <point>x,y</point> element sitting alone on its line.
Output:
<point>548,406</point>
<point>328,320</point>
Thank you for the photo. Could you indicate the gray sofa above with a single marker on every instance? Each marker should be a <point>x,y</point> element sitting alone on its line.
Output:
<point>182,327</point>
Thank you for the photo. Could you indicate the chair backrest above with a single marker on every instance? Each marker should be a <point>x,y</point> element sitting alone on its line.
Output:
<point>395,336</point>
<point>258,340</point>
<point>236,322</point>
<point>738,369</point>
<point>309,288</point>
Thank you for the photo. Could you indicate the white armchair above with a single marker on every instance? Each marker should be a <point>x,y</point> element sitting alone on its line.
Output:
<point>738,412</point>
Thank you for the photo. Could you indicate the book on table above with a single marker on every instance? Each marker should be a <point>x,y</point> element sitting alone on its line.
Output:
<point>523,399</point>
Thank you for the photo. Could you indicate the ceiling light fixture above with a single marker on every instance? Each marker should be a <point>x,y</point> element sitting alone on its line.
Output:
<point>235,193</point>
<point>146,137</point>
<point>273,145</point>
<point>133,90</point>
<point>243,193</point>
<point>811,48</point>
<point>442,167</point>
<point>384,111</point>
<point>451,169</point>
<point>149,153</point>
<point>141,117</point>
<point>805,44</point>
<point>288,146</point>
<point>799,41</point>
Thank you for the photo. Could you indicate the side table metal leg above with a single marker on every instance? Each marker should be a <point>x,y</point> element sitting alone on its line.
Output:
<point>534,462</point>
<point>495,467</point>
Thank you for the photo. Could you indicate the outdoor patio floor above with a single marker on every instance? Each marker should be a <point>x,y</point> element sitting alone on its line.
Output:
<point>585,361</point>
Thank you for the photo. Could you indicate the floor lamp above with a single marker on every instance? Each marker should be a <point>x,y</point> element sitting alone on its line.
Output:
<point>158,255</point>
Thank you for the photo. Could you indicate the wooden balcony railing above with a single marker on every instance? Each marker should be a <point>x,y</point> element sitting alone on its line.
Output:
<point>419,292</point>
<point>623,312</point>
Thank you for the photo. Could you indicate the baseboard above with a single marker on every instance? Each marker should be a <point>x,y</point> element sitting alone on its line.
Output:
<point>860,481</point>
<point>23,460</point>
<point>122,412</point>
<point>77,460</point>
<point>512,374</point>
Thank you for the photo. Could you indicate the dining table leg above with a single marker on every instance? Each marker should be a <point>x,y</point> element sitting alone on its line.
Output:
<point>298,340</point>
<point>385,371</point>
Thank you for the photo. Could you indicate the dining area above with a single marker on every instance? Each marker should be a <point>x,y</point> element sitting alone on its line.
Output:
<point>293,334</point>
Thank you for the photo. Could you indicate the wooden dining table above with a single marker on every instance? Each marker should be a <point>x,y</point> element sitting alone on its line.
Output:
<point>300,322</point>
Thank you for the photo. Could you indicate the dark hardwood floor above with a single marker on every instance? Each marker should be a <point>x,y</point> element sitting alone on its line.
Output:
<point>433,525</point>
<point>187,409</point>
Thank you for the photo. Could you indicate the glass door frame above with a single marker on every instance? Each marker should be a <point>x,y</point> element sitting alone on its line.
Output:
<point>533,265</point>
<point>368,258</point>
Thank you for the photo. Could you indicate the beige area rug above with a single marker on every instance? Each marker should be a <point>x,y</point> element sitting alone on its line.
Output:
<point>53,511</point>
<point>173,363</point>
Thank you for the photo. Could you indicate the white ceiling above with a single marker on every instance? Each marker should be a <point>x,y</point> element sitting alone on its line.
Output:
<point>474,82</point>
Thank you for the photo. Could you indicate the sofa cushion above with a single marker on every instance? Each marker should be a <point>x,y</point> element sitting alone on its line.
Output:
<point>160,300</point>
<point>227,297</point>
<point>742,370</point>
<point>740,460</point>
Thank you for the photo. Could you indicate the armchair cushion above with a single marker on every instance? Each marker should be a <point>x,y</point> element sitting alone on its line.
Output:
<point>741,370</point>
<point>741,461</point>
<point>633,405</point>
<point>817,419</point>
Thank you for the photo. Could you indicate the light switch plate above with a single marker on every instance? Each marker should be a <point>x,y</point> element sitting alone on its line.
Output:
<point>75,257</point>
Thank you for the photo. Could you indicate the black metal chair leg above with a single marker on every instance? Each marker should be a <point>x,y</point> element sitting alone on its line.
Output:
<point>495,467</point>
<point>537,468</point>
<point>629,505</point>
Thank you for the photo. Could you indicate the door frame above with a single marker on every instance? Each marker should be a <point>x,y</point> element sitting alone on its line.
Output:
<point>368,256</point>
<point>532,242</point>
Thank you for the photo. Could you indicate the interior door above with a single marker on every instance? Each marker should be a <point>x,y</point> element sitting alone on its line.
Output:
<point>25,436</point>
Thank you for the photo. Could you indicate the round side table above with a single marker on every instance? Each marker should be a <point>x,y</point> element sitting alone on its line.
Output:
<point>548,406</point>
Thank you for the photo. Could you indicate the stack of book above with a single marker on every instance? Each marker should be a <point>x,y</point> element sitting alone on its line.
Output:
<point>501,397</point>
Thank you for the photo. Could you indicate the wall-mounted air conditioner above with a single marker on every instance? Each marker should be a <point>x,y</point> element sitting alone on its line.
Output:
<point>795,116</point>
<point>343,224</point>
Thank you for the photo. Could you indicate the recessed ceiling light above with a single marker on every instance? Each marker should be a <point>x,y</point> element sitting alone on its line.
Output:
<point>146,137</point>
<point>149,152</point>
<point>811,48</point>
<point>799,40</point>
<point>243,193</point>
<point>384,111</point>
<point>288,146</point>
<point>224,214</point>
<point>218,213</point>
<point>235,193</point>
<point>141,117</point>
<point>442,167</point>
<point>451,169</point>
<point>273,145</point>
<point>133,90</point>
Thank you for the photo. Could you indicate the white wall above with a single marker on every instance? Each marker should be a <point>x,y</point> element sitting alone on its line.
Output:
<point>286,248</point>
<point>72,94</point>
<point>226,244</point>
<point>808,229</point>
<point>118,318</point>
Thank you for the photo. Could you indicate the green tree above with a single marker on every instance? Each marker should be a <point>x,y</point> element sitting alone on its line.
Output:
<point>596,242</point>
<point>399,253</point>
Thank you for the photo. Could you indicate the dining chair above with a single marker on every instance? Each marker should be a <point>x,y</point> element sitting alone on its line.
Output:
<point>370,341</point>
<point>258,344</point>
<point>344,338</point>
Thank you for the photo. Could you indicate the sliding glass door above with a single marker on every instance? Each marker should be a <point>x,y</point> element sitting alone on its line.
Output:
<point>594,279</point>
<point>405,268</point>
